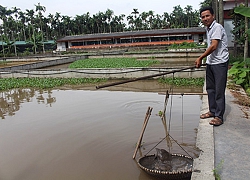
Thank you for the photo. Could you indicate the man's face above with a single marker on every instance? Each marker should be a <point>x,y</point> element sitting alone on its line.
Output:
<point>207,18</point>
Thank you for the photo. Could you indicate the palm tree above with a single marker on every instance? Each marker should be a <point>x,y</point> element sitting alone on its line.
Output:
<point>165,20</point>
<point>51,26</point>
<point>178,18</point>
<point>4,13</point>
<point>12,33</point>
<point>66,22</point>
<point>136,21</point>
<point>188,10</point>
<point>135,12</point>
<point>22,19</point>
<point>130,20</point>
<point>157,23</point>
<point>206,3</point>
<point>144,16</point>
<point>109,13</point>
<point>41,9</point>
<point>31,28</point>
<point>15,11</point>
<point>151,17</point>
<point>119,21</point>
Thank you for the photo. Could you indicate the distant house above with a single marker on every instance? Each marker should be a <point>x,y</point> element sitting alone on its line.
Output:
<point>132,39</point>
<point>228,21</point>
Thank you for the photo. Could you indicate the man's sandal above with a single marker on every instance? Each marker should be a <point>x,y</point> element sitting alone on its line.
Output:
<point>216,122</point>
<point>206,115</point>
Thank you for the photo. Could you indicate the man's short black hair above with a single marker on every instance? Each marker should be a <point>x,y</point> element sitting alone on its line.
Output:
<point>207,8</point>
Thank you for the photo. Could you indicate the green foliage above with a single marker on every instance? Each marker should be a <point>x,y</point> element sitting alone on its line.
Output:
<point>112,63</point>
<point>239,28</point>
<point>239,73</point>
<point>27,52</point>
<point>184,45</point>
<point>206,3</point>
<point>244,11</point>
<point>217,169</point>
<point>36,41</point>
<point>9,47</point>
<point>248,91</point>
<point>183,81</point>
<point>43,83</point>
<point>237,58</point>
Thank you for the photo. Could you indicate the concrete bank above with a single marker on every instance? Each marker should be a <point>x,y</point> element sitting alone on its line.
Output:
<point>170,55</point>
<point>204,164</point>
<point>42,62</point>
<point>104,73</point>
<point>224,149</point>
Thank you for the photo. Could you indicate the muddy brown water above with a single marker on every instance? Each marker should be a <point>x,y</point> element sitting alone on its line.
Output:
<point>90,134</point>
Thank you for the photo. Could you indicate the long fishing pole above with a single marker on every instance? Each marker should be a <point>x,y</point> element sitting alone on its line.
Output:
<point>144,77</point>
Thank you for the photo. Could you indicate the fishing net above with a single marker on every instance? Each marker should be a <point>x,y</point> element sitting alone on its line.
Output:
<point>180,167</point>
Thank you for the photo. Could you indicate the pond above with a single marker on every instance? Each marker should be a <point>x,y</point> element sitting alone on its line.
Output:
<point>90,134</point>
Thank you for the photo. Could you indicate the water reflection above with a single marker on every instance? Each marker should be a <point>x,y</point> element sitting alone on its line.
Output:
<point>11,100</point>
<point>87,134</point>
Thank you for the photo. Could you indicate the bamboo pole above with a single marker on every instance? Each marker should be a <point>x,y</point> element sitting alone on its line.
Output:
<point>164,121</point>
<point>143,130</point>
<point>162,93</point>
<point>144,77</point>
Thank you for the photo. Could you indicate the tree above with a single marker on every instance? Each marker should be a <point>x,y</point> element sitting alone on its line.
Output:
<point>26,25</point>
<point>144,16</point>
<point>151,17</point>
<point>31,28</point>
<point>15,11</point>
<point>188,10</point>
<point>206,3</point>
<point>136,20</point>
<point>166,18</point>
<point>9,49</point>
<point>22,22</point>
<point>177,20</point>
<point>130,20</point>
<point>135,12</point>
<point>36,42</point>
<point>245,11</point>
<point>41,9</point>
<point>109,13</point>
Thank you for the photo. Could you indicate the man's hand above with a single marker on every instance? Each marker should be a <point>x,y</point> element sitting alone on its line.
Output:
<point>198,62</point>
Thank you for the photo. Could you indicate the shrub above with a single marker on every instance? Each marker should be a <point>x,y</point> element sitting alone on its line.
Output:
<point>239,74</point>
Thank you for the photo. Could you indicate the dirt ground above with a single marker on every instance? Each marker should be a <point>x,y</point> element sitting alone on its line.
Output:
<point>241,98</point>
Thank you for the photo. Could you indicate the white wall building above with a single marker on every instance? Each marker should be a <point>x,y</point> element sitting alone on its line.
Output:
<point>228,22</point>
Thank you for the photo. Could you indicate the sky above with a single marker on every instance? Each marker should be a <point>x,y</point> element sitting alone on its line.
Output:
<point>78,7</point>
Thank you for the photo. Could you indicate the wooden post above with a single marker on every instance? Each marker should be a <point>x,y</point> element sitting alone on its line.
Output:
<point>143,130</point>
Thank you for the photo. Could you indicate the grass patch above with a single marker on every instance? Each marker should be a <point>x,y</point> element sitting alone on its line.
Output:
<point>217,169</point>
<point>183,81</point>
<point>44,83</point>
<point>112,63</point>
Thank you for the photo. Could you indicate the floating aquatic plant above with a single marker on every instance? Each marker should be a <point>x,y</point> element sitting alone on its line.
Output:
<point>44,83</point>
<point>112,63</point>
<point>183,81</point>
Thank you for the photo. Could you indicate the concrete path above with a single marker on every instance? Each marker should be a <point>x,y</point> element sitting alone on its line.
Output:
<point>232,142</point>
<point>225,150</point>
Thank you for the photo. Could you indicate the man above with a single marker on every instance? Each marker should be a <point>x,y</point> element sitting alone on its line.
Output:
<point>216,66</point>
